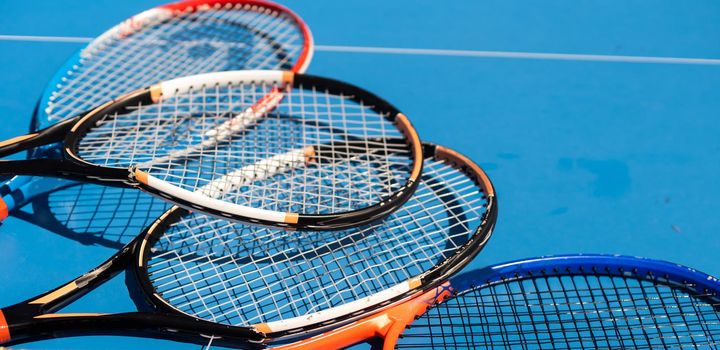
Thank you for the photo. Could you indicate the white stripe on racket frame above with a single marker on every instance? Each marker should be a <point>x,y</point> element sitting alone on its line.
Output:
<point>207,196</point>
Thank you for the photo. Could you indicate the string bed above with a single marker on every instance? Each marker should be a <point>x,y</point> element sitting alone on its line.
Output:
<point>353,163</point>
<point>569,312</point>
<point>97,215</point>
<point>222,38</point>
<point>240,275</point>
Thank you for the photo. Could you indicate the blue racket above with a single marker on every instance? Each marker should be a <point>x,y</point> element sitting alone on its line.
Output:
<point>173,40</point>
<point>556,302</point>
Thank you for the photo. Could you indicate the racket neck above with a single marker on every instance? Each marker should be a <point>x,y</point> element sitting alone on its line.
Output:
<point>64,169</point>
<point>47,136</point>
<point>387,324</point>
<point>67,293</point>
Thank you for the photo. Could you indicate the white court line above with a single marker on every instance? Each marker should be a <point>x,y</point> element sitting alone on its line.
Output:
<point>521,55</point>
<point>440,52</point>
<point>56,39</point>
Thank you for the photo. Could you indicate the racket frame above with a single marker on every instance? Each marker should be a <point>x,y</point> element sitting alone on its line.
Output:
<point>36,318</point>
<point>72,166</point>
<point>142,19</point>
<point>41,118</point>
<point>343,314</point>
<point>391,322</point>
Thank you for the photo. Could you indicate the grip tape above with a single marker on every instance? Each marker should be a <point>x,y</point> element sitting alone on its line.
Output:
<point>4,329</point>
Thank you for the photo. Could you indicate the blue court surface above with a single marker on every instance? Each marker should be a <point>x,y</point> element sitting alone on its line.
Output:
<point>597,121</point>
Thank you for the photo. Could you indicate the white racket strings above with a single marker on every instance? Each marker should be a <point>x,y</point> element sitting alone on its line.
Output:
<point>221,38</point>
<point>217,139</point>
<point>241,275</point>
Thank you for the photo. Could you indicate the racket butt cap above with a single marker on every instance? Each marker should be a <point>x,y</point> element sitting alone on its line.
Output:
<point>4,329</point>
<point>4,212</point>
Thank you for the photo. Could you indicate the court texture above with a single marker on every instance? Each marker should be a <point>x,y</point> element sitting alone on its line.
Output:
<point>597,121</point>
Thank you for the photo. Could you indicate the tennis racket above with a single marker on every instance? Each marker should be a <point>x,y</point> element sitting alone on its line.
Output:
<point>197,278</point>
<point>170,41</point>
<point>558,302</point>
<point>185,139</point>
<point>175,40</point>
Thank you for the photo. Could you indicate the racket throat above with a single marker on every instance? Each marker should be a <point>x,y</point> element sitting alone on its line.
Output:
<point>43,137</point>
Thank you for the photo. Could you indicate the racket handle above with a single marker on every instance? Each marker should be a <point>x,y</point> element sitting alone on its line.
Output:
<point>14,193</point>
<point>156,325</point>
<point>20,190</point>
<point>43,137</point>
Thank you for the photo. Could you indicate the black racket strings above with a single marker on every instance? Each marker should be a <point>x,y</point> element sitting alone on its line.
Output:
<point>569,312</point>
<point>232,274</point>
<point>189,43</point>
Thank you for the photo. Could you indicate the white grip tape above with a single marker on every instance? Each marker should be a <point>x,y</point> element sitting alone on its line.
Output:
<point>182,85</point>
<point>343,310</point>
<point>206,196</point>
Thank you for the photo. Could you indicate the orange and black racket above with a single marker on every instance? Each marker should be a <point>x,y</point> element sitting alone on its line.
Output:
<point>196,277</point>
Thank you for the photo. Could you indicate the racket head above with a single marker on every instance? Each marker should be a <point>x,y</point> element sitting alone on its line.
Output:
<point>287,284</point>
<point>565,301</point>
<point>142,43</point>
<point>265,147</point>
<point>280,37</point>
<point>571,301</point>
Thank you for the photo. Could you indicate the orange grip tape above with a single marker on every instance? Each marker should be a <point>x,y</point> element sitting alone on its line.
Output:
<point>4,329</point>
<point>3,215</point>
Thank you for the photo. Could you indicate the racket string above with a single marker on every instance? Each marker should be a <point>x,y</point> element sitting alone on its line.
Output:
<point>273,275</point>
<point>149,69</point>
<point>190,43</point>
<point>570,312</point>
<point>177,140</point>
